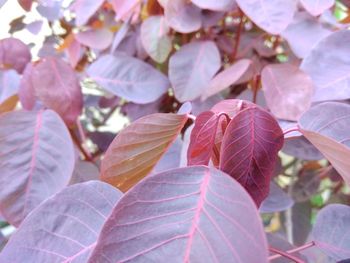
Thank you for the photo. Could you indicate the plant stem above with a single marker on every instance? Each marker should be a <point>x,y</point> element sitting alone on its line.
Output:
<point>290,130</point>
<point>192,117</point>
<point>238,35</point>
<point>294,250</point>
<point>76,141</point>
<point>285,254</point>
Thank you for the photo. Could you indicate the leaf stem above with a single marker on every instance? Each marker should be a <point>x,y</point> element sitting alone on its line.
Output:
<point>294,250</point>
<point>290,130</point>
<point>76,141</point>
<point>238,35</point>
<point>285,254</point>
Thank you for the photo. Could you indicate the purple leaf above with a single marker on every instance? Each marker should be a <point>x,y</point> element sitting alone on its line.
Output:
<point>123,8</point>
<point>35,27</point>
<point>306,186</point>
<point>155,39</point>
<point>328,133</point>
<point>55,84</point>
<point>301,148</point>
<point>198,106</point>
<point>50,9</point>
<point>183,16</point>
<point>330,73</point>
<point>191,69</point>
<point>84,171</point>
<point>316,8</point>
<point>202,138</point>
<point>287,90</point>
<point>186,215</point>
<point>301,221</point>
<point>14,54</point>
<point>65,227</point>
<point>303,33</point>
<point>227,77</point>
<point>84,9</point>
<point>129,78</point>
<point>331,231</point>
<point>222,5</point>
<point>276,201</point>
<point>249,150</point>
<point>2,2</point>
<point>120,36</point>
<point>9,83</point>
<point>36,161</point>
<point>95,38</point>
<point>171,158</point>
<point>272,16</point>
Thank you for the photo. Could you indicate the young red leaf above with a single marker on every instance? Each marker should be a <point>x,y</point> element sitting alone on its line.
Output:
<point>331,231</point>
<point>287,89</point>
<point>249,150</point>
<point>14,54</point>
<point>129,78</point>
<point>137,149</point>
<point>36,161</point>
<point>271,15</point>
<point>65,227</point>
<point>330,74</point>
<point>316,8</point>
<point>55,84</point>
<point>191,69</point>
<point>202,138</point>
<point>326,127</point>
<point>186,215</point>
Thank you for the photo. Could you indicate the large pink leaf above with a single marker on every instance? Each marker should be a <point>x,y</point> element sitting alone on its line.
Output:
<point>331,231</point>
<point>304,33</point>
<point>183,16</point>
<point>184,215</point>
<point>95,38</point>
<point>287,90</point>
<point>136,150</point>
<point>202,138</point>
<point>36,161</point>
<point>325,126</point>
<point>155,39</point>
<point>9,83</point>
<point>14,54</point>
<point>330,74</point>
<point>84,9</point>
<point>271,15</point>
<point>65,227</point>
<point>316,8</point>
<point>249,150</point>
<point>192,67</point>
<point>54,83</point>
<point>227,77</point>
<point>222,5</point>
<point>129,78</point>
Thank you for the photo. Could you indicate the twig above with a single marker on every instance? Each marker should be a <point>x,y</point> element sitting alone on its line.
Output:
<point>286,255</point>
<point>294,250</point>
<point>238,35</point>
<point>76,141</point>
<point>294,129</point>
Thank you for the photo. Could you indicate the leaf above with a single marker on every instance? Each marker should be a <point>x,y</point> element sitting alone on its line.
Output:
<point>129,78</point>
<point>301,148</point>
<point>272,16</point>
<point>276,201</point>
<point>55,84</point>
<point>26,4</point>
<point>287,89</point>
<point>223,5</point>
<point>36,161</point>
<point>65,227</point>
<point>9,83</point>
<point>328,133</point>
<point>137,149</point>
<point>316,8</point>
<point>50,9</point>
<point>84,9</point>
<point>95,38</point>
<point>123,8</point>
<point>227,77</point>
<point>155,39</point>
<point>249,150</point>
<point>330,231</point>
<point>191,69</point>
<point>202,138</point>
<point>186,215</point>
<point>171,158</point>
<point>83,172</point>
<point>330,74</point>
<point>14,54</point>
<point>182,16</point>
<point>303,33</point>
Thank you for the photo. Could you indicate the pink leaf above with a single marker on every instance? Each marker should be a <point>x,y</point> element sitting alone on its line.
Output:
<point>330,74</point>
<point>202,138</point>
<point>287,90</point>
<point>316,8</point>
<point>325,126</point>
<point>55,84</point>
<point>272,16</point>
<point>14,54</point>
<point>36,161</point>
<point>65,227</point>
<point>123,8</point>
<point>185,215</point>
<point>85,9</point>
<point>249,150</point>
<point>129,78</point>
<point>75,52</point>
<point>191,69</point>
<point>95,38</point>
<point>227,77</point>
<point>222,5</point>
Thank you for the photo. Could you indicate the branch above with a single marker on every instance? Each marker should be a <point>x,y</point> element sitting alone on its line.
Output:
<point>294,250</point>
<point>238,35</point>
<point>285,254</point>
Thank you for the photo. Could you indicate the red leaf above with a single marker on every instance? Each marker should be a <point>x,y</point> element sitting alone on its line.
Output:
<point>249,150</point>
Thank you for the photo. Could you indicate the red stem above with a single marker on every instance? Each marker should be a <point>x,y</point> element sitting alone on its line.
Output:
<point>238,35</point>
<point>285,254</point>
<point>256,88</point>
<point>290,130</point>
<point>291,251</point>
<point>76,141</point>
